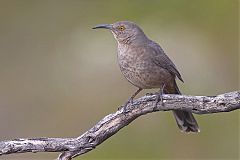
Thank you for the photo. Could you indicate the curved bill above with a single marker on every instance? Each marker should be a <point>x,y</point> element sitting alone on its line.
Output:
<point>105,26</point>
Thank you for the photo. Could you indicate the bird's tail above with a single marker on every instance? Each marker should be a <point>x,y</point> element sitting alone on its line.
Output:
<point>185,119</point>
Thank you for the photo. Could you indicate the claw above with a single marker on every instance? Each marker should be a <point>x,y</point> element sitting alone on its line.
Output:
<point>159,97</point>
<point>124,107</point>
<point>130,100</point>
<point>149,94</point>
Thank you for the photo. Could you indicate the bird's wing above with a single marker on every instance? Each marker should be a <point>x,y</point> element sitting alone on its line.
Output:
<point>161,59</point>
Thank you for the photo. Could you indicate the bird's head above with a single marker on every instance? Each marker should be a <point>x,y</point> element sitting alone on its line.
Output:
<point>124,31</point>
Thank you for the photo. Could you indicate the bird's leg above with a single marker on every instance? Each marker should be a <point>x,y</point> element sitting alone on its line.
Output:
<point>130,100</point>
<point>159,96</point>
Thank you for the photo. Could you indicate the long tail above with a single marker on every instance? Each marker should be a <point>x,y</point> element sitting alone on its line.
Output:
<point>185,119</point>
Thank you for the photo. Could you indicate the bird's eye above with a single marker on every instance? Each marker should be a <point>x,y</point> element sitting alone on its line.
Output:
<point>121,28</point>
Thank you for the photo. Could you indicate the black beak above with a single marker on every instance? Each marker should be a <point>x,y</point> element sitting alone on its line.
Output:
<point>105,26</point>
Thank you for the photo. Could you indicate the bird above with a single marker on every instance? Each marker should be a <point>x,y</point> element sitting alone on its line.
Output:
<point>146,66</point>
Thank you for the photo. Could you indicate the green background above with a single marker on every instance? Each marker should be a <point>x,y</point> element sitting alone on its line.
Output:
<point>58,77</point>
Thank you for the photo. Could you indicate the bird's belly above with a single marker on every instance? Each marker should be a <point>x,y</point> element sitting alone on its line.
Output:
<point>146,78</point>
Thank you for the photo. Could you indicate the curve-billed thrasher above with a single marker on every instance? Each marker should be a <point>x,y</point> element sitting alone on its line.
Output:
<point>145,65</point>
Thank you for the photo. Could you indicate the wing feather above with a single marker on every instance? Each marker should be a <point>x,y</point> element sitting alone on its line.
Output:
<point>162,60</point>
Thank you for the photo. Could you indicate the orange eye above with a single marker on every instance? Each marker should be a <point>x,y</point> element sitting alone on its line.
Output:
<point>121,28</point>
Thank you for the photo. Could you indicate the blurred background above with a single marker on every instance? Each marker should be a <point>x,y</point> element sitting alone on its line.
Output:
<point>58,77</point>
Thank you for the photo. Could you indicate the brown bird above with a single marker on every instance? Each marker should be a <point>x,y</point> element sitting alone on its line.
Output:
<point>145,65</point>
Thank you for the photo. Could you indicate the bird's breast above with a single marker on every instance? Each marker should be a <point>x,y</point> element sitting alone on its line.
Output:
<point>139,69</point>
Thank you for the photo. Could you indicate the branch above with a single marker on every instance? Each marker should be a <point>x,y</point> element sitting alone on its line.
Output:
<point>112,123</point>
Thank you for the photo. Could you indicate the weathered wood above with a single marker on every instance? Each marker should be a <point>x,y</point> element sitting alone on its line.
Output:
<point>112,123</point>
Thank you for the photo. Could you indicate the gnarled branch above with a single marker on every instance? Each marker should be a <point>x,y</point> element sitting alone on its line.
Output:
<point>112,123</point>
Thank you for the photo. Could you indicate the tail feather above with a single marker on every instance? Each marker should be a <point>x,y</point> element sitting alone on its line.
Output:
<point>185,119</point>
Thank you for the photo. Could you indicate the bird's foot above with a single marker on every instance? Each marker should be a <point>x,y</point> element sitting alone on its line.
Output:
<point>130,100</point>
<point>159,97</point>
<point>124,107</point>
